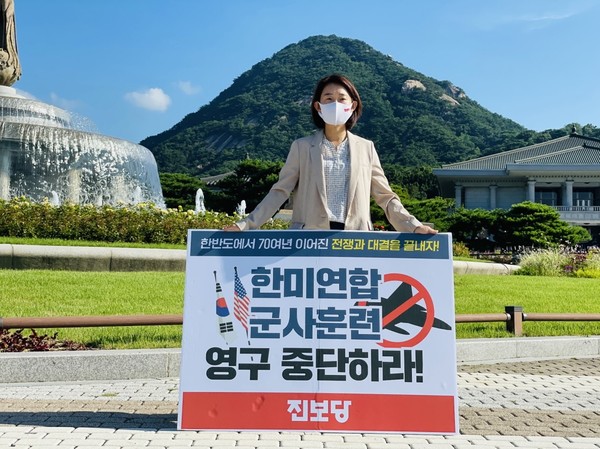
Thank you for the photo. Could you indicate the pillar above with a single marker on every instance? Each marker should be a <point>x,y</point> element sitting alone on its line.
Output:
<point>516,316</point>
<point>493,190</point>
<point>531,191</point>
<point>568,194</point>
<point>458,195</point>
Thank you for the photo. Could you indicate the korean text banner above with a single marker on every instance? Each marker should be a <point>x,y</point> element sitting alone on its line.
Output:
<point>319,331</point>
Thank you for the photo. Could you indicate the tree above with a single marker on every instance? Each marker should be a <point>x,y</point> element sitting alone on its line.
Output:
<point>432,210</point>
<point>537,225</point>
<point>476,228</point>
<point>419,182</point>
<point>251,181</point>
<point>179,190</point>
<point>526,224</point>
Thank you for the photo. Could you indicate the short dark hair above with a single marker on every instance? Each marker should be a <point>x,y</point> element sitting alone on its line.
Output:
<point>343,81</point>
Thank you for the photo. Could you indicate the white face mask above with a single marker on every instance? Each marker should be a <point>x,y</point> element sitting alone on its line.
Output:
<point>335,113</point>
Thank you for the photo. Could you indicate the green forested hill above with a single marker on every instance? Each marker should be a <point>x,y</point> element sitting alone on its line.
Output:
<point>413,119</point>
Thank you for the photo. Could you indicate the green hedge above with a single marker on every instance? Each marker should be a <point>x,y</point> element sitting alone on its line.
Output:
<point>143,223</point>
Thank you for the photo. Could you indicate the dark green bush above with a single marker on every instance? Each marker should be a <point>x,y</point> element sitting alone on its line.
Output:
<point>142,223</point>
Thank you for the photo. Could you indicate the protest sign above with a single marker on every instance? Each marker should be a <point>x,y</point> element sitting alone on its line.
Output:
<point>319,330</point>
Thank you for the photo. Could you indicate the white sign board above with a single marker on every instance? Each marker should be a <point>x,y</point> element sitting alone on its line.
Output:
<point>319,330</point>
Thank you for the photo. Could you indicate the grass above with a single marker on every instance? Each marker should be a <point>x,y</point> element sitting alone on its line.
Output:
<point>32,293</point>
<point>537,294</point>
<point>42,293</point>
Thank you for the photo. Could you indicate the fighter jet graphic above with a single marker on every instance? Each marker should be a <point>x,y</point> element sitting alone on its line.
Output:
<point>415,315</point>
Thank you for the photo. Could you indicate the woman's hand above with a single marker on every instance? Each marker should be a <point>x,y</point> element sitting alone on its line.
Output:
<point>234,227</point>
<point>424,229</point>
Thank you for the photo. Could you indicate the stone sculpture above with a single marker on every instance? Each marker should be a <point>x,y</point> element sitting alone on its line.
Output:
<point>10,68</point>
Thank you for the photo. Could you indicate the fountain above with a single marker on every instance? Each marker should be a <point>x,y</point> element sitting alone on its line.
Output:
<point>241,208</point>
<point>200,208</point>
<point>54,199</point>
<point>42,151</point>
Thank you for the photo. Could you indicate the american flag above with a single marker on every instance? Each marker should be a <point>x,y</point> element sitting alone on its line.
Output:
<point>241,302</point>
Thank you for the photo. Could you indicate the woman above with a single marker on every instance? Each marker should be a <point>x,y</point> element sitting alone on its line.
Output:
<point>333,173</point>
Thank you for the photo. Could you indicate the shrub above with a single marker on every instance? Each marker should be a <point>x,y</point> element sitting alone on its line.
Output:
<point>142,223</point>
<point>17,342</point>
<point>459,249</point>
<point>560,262</point>
<point>590,267</point>
<point>548,262</point>
<point>587,273</point>
<point>593,260</point>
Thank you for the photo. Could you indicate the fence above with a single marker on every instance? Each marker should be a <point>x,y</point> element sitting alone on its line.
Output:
<point>513,316</point>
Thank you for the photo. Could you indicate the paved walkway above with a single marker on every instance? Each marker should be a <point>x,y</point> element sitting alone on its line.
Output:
<point>533,404</point>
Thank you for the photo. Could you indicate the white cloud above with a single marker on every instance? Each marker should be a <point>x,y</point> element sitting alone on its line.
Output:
<point>187,87</point>
<point>63,103</point>
<point>546,17</point>
<point>153,99</point>
<point>543,20</point>
<point>528,20</point>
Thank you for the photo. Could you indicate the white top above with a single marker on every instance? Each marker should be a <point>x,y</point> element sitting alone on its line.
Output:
<point>336,169</point>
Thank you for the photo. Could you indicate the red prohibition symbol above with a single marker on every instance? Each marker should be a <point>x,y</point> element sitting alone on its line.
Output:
<point>421,294</point>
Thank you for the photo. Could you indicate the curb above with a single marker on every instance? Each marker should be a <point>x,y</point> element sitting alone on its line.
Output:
<point>92,258</point>
<point>463,267</point>
<point>55,366</point>
<point>492,350</point>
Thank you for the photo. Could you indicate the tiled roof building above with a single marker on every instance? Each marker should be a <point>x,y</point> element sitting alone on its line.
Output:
<point>563,173</point>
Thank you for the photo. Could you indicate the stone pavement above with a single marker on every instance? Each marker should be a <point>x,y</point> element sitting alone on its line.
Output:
<point>552,403</point>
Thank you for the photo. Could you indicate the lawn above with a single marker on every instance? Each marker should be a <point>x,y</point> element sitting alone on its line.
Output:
<point>33,293</point>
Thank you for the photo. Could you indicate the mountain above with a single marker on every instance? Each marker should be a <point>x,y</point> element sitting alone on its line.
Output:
<point>413,119</point>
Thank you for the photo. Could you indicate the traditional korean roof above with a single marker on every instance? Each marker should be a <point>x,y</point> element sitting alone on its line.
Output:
<point>573,149</point>
<point>581,155</point>
<point>214,180</point>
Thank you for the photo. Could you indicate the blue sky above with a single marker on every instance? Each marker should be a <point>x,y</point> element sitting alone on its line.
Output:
<point>135,68</point>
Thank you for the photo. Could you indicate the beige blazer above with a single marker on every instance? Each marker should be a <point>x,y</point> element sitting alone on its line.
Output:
<point>302,176</point>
